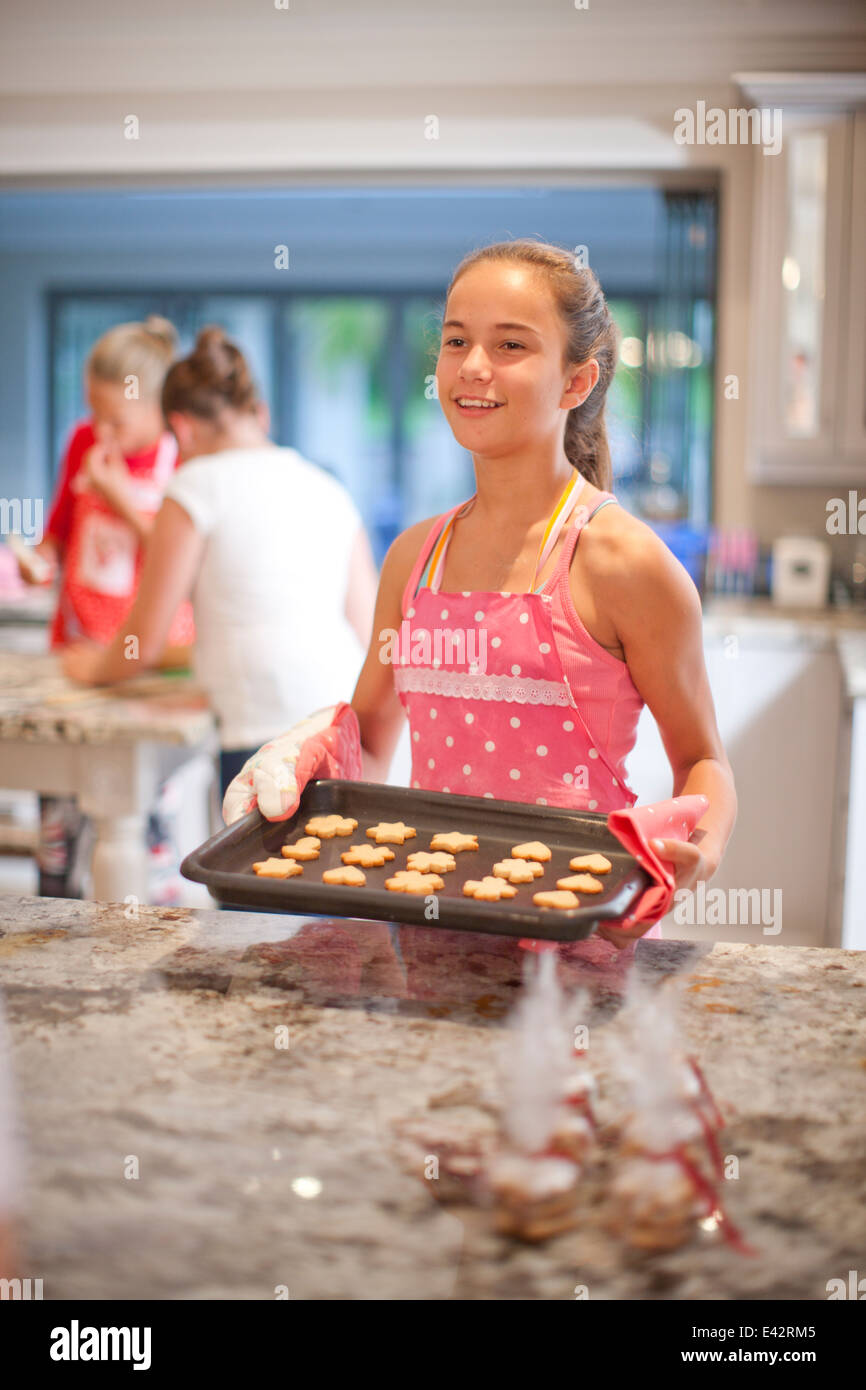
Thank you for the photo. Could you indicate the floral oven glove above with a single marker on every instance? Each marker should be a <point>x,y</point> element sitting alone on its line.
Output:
<point>326,744</point>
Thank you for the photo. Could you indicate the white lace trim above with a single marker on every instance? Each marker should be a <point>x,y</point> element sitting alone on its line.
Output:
<point>464,685</point>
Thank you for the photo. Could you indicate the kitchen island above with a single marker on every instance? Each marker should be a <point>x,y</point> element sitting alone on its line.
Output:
<point>110,747</point>
<point>211,1103</point>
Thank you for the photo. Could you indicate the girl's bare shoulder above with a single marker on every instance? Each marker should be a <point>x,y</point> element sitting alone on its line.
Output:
<point>403,552</point>
<point>622,555</point>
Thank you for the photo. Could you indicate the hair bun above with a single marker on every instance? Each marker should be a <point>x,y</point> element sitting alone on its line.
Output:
<point>163,330</point>
<point>214,376</point>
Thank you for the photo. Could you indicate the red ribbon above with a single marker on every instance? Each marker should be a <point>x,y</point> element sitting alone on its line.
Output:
<point>705,1189</point>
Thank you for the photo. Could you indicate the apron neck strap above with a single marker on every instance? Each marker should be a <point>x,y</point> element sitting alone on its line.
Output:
<point>561,512</point>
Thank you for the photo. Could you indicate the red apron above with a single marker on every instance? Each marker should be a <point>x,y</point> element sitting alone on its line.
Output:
<point>103,559</point>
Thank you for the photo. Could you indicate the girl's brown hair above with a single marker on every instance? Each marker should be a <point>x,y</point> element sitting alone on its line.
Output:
<point>214,377</point>
<point>590,332</point>
<point>141,350</point>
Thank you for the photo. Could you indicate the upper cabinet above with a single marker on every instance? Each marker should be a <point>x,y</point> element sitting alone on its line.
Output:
<point>807,375</point>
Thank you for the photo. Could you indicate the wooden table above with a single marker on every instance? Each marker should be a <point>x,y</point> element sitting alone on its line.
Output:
<point>110,747</point>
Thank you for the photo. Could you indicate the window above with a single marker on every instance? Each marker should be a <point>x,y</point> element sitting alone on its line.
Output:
<point>348,371</point>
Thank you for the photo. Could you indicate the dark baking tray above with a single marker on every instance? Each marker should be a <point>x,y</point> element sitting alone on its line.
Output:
<point>224,863</point>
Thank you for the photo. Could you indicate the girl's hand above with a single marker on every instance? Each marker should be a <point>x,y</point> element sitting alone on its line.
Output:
<point>689,865</point>
<point>104,471</point>
<point>81,662</point>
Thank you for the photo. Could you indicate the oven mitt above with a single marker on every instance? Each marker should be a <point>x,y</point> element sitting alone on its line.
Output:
<point>326,744</point>
<point>636,828</point>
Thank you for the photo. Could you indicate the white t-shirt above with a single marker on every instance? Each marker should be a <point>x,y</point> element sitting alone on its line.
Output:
<point>272,640</point>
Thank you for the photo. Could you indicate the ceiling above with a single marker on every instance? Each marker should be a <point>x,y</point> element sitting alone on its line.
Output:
<point>51,48</point>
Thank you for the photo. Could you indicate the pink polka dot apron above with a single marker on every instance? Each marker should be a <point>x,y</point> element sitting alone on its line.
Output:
<point>103,560</point>
<point>484,681</point>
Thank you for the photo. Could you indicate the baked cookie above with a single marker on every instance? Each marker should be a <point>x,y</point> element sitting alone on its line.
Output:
<point>368,856</point>
<point>306,848</point>
<point>488,889</point>
<point>534,849</point>
<point>353,878</point>
<point>562,900</point>
<point>391,833</point>
<point>326,827</point>
<point>518,870</point>
<point>410,881</point>
<point>426,863</point>
<point>277,868</point>
<point>591,864</point>
<point>453,842</point>
<point>581,883</point>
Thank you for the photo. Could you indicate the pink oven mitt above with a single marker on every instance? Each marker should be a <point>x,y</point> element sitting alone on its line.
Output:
<point>636,828</point>
<point>326,744</point>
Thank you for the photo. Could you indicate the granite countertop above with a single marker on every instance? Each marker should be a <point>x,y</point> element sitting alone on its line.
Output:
<point>154,1037</point>
<point>37,702</point>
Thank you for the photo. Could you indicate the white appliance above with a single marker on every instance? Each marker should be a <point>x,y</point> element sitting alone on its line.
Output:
<point>801,572</point>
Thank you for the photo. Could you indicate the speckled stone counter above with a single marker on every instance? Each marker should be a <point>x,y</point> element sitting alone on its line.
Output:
<point>151,1041</point>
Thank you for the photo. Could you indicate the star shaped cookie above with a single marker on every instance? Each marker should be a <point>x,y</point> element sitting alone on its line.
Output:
<point>453,842</point>
<point>488,889</point>
<point>326,827</point>
<point>277,868</point>
<point>425,863</point>
<point>391,833</point>
<point>307,847</point>
<point>410,881</point>
<point>591,864</point>
<point>368,856</point>
<point>518,870</point>
<point>353,878</point>
<point>561,900</point>
<point>533,849</point>
<point>581,883</point>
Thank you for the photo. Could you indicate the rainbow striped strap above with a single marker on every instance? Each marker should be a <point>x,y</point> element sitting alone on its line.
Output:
<point>559,517</point>
<point>436,562</point>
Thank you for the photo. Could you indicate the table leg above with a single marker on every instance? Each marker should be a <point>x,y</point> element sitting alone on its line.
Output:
<point>119,858</point>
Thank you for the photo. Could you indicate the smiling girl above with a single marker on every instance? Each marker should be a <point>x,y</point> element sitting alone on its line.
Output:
<point>586,614</point>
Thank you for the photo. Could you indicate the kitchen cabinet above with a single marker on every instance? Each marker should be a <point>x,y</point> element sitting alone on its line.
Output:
<point>781,704</point>
<point>807,372</point>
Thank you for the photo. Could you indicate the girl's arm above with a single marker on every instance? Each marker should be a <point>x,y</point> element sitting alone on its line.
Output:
<point>375,701</point>
<point>171,563</point>
<point>656,611</point>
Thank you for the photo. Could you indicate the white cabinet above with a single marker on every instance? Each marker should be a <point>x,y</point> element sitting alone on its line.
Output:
<point>807,370</point>
<point>778,705</point>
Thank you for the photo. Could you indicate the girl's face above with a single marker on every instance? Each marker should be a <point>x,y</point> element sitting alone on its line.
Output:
<point>503,343</point>
<point>130,426</point>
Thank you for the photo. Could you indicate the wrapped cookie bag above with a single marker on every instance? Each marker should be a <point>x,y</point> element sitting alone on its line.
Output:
<point>547,1122</point>
<point>670,1164</point>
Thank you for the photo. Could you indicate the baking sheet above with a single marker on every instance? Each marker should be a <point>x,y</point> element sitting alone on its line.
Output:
<point>224,863</point>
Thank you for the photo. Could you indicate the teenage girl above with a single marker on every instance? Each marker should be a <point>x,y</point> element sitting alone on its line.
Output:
<point>583,613</point>
<point>115,470</point>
